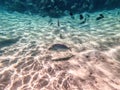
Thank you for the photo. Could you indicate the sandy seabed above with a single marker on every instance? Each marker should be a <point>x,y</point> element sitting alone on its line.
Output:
<point>92,63</point>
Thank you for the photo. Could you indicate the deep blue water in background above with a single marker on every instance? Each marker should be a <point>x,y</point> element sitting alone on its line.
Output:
<point>56,8</point>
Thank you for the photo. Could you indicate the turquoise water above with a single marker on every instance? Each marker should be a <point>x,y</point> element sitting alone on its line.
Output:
<point>88,60</point>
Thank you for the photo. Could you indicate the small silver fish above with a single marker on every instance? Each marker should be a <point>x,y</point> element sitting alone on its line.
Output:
<point>59,47</point>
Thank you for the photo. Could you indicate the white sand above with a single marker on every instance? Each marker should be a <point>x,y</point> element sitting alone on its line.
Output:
<point>29,65</point>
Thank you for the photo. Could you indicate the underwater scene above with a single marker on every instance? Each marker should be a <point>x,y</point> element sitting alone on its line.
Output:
<point>59,44</point>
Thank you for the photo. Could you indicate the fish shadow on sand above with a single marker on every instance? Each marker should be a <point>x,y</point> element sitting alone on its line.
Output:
<point>8,42</point>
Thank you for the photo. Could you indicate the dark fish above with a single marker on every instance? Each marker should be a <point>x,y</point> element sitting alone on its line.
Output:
<point>61,36</point>
<point>84,21</point>
<point>59,47</point>
<point>58,23</point>
<point>81,17</point>
<point>100,17</point>
<point>71,14</point>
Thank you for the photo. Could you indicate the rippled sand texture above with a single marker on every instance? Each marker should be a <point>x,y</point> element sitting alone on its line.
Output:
<point>93,63</point>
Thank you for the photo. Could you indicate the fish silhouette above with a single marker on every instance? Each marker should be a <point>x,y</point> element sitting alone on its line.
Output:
<point>59,47</point>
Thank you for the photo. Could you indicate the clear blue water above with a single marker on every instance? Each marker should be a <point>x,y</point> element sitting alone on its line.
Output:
<point>59,45</point>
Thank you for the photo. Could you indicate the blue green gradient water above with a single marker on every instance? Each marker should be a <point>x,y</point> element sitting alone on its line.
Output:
<point>27,64</point>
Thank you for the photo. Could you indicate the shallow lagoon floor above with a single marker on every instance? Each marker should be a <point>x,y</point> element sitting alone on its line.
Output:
<point>92,63</point>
